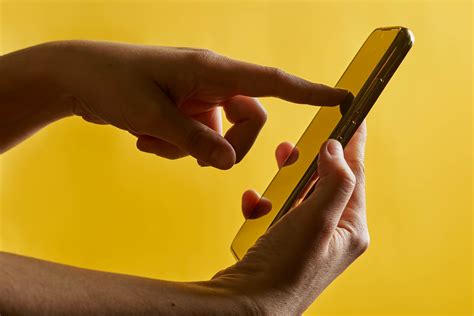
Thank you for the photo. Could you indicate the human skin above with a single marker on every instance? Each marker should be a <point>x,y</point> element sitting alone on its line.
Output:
<point>169,99</point>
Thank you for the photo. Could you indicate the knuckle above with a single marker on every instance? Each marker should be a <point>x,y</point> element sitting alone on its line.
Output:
<point>345,179</point>
<point>202,55</point>
<point>358,168</point>
<point>360,242</point>
<point>277,76</point>
<point>275,72</point>
<point>208,52</point>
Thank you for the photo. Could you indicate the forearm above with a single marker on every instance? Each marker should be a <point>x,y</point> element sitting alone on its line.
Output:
<point>31,95</point>
<point>35,287</point>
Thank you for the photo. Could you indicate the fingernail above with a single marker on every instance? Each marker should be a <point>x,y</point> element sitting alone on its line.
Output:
<point>333,147</point>
<point>263,206</point>
<point>342,91</point>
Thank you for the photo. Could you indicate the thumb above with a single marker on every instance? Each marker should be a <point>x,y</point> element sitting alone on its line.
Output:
<point>333,190</point>
<point>191,136</point>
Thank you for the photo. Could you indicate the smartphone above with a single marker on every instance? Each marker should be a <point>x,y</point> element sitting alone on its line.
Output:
<point>365,78</point>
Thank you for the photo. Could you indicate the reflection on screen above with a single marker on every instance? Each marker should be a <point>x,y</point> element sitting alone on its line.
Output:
<point>315,135</point>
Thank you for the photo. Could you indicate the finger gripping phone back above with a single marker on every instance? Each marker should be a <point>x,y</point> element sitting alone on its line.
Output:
<point>365,78</point>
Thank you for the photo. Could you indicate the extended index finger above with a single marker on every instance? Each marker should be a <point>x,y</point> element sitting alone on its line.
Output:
<point>262,81</point>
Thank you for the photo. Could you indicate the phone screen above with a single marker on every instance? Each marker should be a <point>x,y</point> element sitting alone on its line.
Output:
<point>281,188</point>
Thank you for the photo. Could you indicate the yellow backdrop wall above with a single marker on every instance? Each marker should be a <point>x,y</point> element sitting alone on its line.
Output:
<point>82,194</point>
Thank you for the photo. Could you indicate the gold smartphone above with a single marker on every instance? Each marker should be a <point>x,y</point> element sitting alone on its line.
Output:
<point>365,78</point>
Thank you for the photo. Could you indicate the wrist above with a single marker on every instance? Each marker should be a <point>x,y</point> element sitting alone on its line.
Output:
<point>30,80</point>
<point>229,300</point>
<point>258,294</point>
<point>31,94</point>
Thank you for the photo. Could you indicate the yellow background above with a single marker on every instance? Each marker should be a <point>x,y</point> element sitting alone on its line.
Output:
<point>82,194</point>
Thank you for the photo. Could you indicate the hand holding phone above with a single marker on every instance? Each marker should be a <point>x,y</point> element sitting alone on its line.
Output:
<point>299,256</point>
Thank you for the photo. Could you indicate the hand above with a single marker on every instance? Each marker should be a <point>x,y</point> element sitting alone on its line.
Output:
<point>299,256</point>
<point>170,97</point>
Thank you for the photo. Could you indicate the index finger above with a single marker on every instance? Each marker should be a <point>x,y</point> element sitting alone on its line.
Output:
<point>262,81</point>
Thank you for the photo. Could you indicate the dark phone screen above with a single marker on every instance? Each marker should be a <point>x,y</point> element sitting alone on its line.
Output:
<point>319,130</point>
